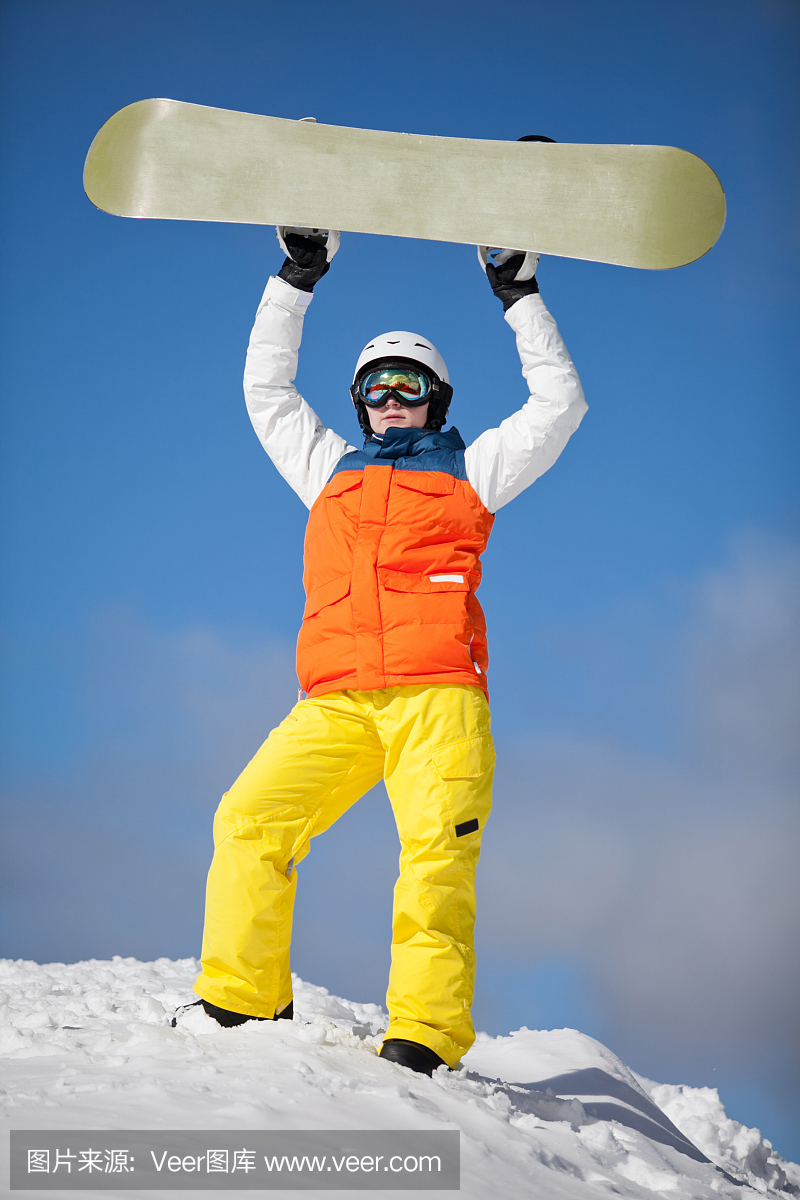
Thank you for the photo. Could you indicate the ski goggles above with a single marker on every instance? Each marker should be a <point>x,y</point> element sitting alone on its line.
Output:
<point>409,387</point>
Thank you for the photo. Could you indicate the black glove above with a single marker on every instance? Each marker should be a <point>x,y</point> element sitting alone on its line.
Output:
<point>503,285</point>
<point>307,262</point>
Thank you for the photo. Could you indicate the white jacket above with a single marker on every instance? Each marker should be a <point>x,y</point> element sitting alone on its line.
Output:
<point>500,463</point>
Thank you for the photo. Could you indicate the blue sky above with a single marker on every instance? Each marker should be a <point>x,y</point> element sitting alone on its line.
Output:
<point>639,871</point>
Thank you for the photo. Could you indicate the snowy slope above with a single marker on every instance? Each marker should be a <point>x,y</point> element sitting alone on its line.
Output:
<point>90,1046</point>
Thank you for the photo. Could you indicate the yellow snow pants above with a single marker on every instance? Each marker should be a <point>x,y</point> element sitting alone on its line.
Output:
<point>433,747</point>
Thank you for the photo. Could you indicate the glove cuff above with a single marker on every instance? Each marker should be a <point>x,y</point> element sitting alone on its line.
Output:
<point>302,278</point>
<point>511,293</point>
<point>290,297</point>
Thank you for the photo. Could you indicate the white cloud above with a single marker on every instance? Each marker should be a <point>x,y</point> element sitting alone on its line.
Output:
<point>674,880</point>
<point>184,709</point>
<point>744,645</point>
<point>106,852</point>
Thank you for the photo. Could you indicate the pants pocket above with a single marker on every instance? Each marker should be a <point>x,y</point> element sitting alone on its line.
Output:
<point>467,758</point>
<point>465,769</point>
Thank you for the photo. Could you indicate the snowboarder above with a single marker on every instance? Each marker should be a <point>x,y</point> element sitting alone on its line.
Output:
<point>391,654</point>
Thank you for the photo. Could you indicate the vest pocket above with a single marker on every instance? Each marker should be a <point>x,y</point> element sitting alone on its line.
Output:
<point>432,483</point>
<point>431,581</point>
<point>326,594</point>
<point>343,481</point>
<point>465,759</point>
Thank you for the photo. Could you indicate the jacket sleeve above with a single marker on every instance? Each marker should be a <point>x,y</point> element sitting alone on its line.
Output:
<point>300,446</point>
<point>502,462</point>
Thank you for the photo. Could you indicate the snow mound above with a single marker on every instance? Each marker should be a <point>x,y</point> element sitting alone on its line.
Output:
<point>700,1114</point>
<point>547,1114</point>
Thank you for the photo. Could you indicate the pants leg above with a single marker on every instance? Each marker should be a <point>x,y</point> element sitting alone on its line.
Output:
<point>438,772</point>
<point>309,771</point>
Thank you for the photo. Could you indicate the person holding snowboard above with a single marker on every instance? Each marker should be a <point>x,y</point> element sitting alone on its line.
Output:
<point>392,653</point>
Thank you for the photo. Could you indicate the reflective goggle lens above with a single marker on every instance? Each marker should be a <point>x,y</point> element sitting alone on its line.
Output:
<point>409,387</point>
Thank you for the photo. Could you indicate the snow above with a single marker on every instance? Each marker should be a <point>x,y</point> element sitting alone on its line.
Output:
<point>551,1114</point>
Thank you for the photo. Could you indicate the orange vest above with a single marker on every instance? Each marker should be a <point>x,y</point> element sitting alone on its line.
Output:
<point>392,565</point>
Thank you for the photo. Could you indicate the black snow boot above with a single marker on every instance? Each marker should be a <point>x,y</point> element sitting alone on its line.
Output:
<point>228,1019</point>
<point>412,1055</point>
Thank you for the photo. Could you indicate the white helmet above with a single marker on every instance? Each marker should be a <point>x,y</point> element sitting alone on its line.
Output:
<point>414,348</point>
<point>401,344</point>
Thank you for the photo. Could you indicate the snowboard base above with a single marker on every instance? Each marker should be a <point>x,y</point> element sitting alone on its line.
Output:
<point>638,206</point>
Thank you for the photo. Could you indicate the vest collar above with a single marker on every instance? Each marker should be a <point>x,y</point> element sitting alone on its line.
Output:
<point>409,443</point>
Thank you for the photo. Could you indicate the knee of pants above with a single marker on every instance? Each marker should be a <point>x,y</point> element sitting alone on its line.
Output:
<point>440,879</point>
<point>248,816</point>
<point>230,817</point>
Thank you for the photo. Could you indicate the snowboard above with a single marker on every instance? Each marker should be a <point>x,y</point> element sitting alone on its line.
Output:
<point>636,206</point>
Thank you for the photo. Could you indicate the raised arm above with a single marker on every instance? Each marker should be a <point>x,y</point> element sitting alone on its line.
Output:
<point>502,462</point>
<point>300,446</point>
